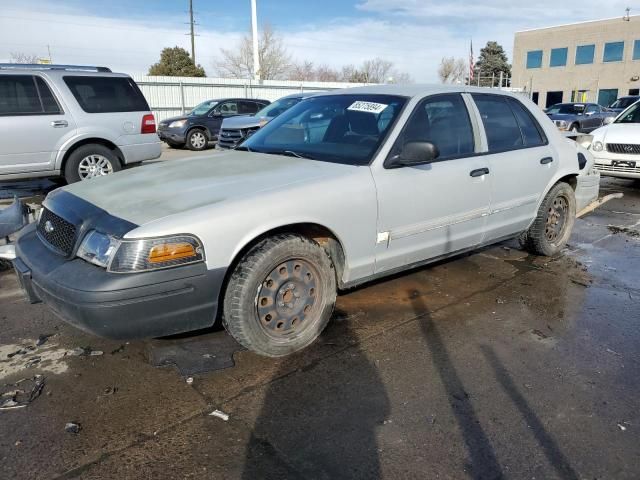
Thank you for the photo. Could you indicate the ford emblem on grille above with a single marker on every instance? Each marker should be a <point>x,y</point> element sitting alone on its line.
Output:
<point>48,227</point>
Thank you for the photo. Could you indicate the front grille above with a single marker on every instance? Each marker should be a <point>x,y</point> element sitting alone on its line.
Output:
<point>624,148</point>
<point>229,138</point>
<point>57,232</point>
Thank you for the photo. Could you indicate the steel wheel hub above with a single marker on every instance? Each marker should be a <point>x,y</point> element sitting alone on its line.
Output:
<point>94,166</point>
<point>287,298</point>
<point>556,219</point>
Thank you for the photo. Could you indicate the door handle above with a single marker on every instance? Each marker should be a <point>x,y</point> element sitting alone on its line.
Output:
<point>546,160</point>
<point>59,123</point>
<point>478,172</point>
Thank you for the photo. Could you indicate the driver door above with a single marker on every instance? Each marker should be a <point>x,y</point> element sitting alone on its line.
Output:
<point>432,210</point>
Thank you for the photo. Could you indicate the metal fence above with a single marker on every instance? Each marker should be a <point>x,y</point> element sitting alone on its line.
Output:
<point>171,96</point>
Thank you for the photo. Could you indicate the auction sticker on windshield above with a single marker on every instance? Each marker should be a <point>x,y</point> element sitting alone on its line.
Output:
<point>369,107</point>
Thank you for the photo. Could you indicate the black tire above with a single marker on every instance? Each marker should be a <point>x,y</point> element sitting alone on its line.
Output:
<point>72,167</point>
<point>552,227</point>
<point>255,312</point>
<point>195,140</point>
<point>175,144</point>
<point>574,127</point>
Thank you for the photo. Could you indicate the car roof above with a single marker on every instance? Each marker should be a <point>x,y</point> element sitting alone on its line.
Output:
<point>416,90</point>
<point>234,99</point>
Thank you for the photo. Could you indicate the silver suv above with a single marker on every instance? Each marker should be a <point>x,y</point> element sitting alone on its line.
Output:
<point>71,121</point>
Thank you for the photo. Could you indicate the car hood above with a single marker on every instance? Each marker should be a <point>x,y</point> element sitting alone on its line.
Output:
<point>619,133</point>
<point>243,121</point>
<point>147,193</point>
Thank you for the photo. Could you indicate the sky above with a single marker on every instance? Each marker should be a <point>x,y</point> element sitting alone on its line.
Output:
<point>128,35</point>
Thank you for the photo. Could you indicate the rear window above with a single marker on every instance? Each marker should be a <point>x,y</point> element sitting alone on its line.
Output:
<point>107,94</point>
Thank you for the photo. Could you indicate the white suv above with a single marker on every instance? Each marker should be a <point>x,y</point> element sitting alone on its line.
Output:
<point>71,121</point>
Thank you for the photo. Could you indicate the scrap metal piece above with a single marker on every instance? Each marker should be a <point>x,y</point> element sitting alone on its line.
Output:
<point>596,203</point>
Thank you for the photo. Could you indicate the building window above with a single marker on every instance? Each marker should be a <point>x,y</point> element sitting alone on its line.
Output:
<point>584,54</point>
<point>613,52</point>
<point>558,57</point>
<point>634,91</point>
<point>534,59</point>
<point>553,98</point>
<point>636,50</point>
<point>535,96</point>
<point>607,96</point>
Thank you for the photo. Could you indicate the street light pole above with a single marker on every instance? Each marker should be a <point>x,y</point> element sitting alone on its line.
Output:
<point>254,29</point>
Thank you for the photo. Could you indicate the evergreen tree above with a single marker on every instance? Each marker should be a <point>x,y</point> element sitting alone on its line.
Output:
<point>491,62</point>
<point>176,62</point>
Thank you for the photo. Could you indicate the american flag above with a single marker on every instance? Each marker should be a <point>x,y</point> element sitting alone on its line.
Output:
<point>472,64</point>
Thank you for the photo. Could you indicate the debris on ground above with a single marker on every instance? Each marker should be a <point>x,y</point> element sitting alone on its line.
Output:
<point>84,352</point>
<point>20,394</point>
<point>189,380</point>
<point>622,427</point>
<point>72,427</point>
<point>120,349</point>
<point>42,339</point>
<point>581,282</point>
<point>629,231</point>
<point>220,414</point>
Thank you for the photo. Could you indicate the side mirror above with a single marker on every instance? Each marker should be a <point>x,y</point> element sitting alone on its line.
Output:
<point>608,120</point>
<point>416,153</point>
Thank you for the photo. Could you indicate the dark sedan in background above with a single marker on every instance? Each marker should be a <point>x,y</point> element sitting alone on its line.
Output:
<point>202,124</point>
<point>623,102</point>
<point>579,117</point>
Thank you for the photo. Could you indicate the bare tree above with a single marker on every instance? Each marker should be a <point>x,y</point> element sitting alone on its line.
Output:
<point>275,60</point>
<point>325,73</point>
<point>376,70</point>
<point>21,57</point>
<point>304,71</point>
<point>452,70</point>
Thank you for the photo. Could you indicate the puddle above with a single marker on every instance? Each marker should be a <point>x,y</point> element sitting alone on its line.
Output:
<point>27,357</point>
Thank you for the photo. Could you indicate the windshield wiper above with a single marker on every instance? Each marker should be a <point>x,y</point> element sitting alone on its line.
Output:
<point>291,153</point>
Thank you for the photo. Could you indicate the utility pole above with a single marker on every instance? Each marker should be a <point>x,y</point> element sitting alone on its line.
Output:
<point>254,30</point>
<point>49,50</point>
<point>193,42</point>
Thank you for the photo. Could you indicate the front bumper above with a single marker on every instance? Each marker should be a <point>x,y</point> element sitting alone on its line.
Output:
<point>122,306</point>
<point>617,165</point>
<point>174,135</point>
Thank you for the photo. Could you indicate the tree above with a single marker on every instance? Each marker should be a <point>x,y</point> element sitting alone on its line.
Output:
<point>303,71</point>
<point>21,57</point>
<point>275,60</point>
<point>491,62</point>
<point>176,62</point>
<point>452,70</point>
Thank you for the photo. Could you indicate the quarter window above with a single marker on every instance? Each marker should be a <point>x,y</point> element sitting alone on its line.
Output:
<point>500,125</point>
<point>49,103</point>
<point>444,121</point>
<point>558,57</point>
<point>613,52</point>
<point>107,94</point>
<point>585,54</point>
<point>534,59</point>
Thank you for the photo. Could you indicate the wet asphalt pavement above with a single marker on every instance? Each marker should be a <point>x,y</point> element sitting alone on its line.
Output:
<point>491,365</point>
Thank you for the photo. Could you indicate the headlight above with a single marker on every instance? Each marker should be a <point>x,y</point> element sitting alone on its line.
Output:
<point>597,146</point>
<point>98,248</point>
<point>156,253</point>
<point>177,124</point>
<point>562,124</point>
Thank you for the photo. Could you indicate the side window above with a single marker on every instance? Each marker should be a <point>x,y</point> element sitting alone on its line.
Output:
<point>531,131</point>
<point>442,120</point>
<point>49,103</point>
<point>18,95</point>
<point>591,109</point>
<point>246,108</point>
<point>503,132</point>
<point>227,109</point>
<point>106,94</point>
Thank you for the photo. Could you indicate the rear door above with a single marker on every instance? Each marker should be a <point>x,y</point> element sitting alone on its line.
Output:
<point>33,124</point>
<point>521,160</point>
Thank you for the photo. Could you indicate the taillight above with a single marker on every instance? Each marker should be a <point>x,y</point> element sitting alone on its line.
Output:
<point>148,124</point>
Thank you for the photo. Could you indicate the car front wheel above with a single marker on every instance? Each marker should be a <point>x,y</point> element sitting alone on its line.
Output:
<point>197,140</point>
<point>280,295</point>
<point>553,224</point>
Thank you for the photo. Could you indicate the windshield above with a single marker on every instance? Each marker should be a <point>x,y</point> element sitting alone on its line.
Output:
<point>624,102</point>
<point>334,128</point>
<point>203,108</point>
<point>279,106</point>
<point>567,109</point>
<point>631,115</point>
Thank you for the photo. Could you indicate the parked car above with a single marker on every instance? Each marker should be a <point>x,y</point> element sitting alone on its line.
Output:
<point>623,102</point>
<point>73,121</point>
<point>616,147</point>
<point>202,124</point>
<point>234,130</point>
<point>341,189</point>
<point>578,117</point>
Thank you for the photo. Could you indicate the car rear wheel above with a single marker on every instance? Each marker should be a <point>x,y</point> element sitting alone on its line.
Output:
<point>197,140</point>
<point>280,296</point>
<point>552,227</point>
<point>90,161</point>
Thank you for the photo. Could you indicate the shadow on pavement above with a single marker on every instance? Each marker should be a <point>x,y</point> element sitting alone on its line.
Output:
<point>484,464</point>
<point>323,426</point>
